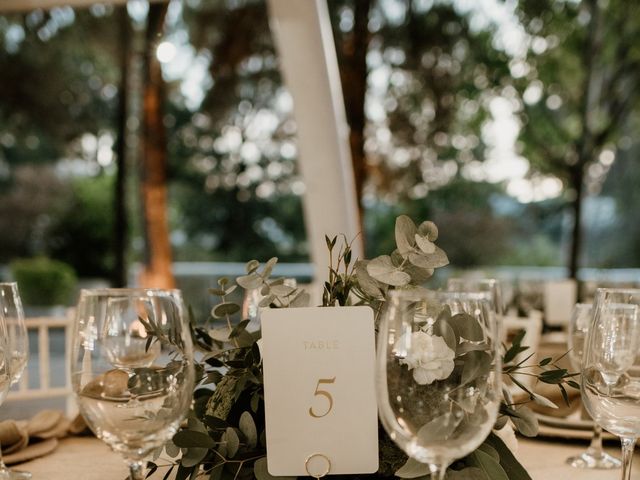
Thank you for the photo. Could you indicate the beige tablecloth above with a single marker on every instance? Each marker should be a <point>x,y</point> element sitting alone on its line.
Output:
<point>87,458</point>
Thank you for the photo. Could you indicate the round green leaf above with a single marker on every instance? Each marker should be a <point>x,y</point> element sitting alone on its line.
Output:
<point>233,442</point>
<point>223,309</point>
<point>248,428</point>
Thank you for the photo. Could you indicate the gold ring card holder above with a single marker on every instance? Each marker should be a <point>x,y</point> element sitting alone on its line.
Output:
<point>317,459</point>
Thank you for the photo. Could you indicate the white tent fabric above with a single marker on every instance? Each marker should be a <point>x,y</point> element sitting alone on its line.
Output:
<point>305,43</point>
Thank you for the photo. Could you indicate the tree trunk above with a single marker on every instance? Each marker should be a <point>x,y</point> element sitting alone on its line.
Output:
<point>157,269</point>
<point>577,183</point>
<point>584,148</point>
<point>119,274</point>
<point>354,87</point>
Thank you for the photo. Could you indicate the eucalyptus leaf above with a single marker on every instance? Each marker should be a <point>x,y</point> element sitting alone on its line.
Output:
<point>525,422</point>
<point>261,472</point>
<point>248,428</point>
<point>197,425</point>
<point>282,290</point>
<point>171,449</point>
<point>250,281</point>
<point>193,456</point>
<point>233,442</point>
<point>469,473</point>
<point>366,282</point>
<point>216,472</point>
<point>266,301</point>
<point>217,291</point>
<point>223,309</point>
<point>434,260</point>
<point>244,339</point>
<point>302,299</point>
<point>488,449</point>
<point>476,365</point>
<point>221,334</point>
<point>440,428</point>
<point>444,330</point>
<point>252,266</point>
<point>509,463</point>
<point>489,465</point>
<point>412,469</point>
<point>428,229</point>
<point>405,232</point>
<point>384,271</point>
<point>425,245</point>
<point>418,275</point>
<point>192,438</point>
<point>268,267</point>
<point>467,327</point>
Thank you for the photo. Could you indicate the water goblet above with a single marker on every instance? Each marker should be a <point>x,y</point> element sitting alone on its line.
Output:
<point>610,373</point>
<point>17,352</point>
<point>489,285</point>
<point>438,374</point>
<point>132,368</point>
<point>594,457</point>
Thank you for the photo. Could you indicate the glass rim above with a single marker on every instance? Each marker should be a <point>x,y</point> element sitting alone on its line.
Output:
<point>487,280</point>
<point>425,294</point>
<point>128,292</point>
<point>605,290</point>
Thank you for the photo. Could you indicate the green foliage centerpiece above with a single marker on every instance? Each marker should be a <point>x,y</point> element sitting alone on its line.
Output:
<point>224,437</point>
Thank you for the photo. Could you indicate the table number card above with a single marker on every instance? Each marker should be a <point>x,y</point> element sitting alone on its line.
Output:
<point>320,399</point>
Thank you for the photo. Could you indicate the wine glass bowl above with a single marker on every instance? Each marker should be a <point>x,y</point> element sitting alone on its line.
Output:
<point>610,369</point>
<point>438,374</point>
<point>15,354</point>
<point>13,313</point>
<point>490,286</point>
<point>594,457</point>
<point>132,368</point>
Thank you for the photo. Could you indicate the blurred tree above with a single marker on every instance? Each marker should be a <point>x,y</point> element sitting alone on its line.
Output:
<point>235,184</point>
<point>48,113</point>
<point>578,82</point>
<point>27,206</point>
<point>78,234</point>
<point>471,232</point>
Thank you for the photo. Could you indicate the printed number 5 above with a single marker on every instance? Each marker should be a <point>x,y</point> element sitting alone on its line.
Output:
<point>323,393</point>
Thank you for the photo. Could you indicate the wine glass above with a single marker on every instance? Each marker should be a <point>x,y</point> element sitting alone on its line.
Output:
<point>610,372</point>
<point>438,374</point>
<point>18,352</point>
<point>594,457</point>
<point>132,368</point>
<point>489,285</point>
<point>251,304</point>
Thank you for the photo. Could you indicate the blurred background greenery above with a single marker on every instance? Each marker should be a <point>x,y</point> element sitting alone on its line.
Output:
<point>511,124</point>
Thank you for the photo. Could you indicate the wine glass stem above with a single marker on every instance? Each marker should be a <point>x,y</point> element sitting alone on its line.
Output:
<point>3,467</point>
<point>437,471</point>
<point>628,445</point>
<point>136,471</point>
<point>596,442</point>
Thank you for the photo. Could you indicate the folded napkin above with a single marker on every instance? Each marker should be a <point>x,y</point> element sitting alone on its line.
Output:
<point>25,440</point>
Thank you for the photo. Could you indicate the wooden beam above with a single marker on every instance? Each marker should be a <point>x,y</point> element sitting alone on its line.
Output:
<point>306,48</point>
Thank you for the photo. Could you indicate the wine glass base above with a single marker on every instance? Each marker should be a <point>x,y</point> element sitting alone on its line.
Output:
<point>7,474</point>
<point>603,461</point>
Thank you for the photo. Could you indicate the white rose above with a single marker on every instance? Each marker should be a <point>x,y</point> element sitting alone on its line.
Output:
<point>428,356</point>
